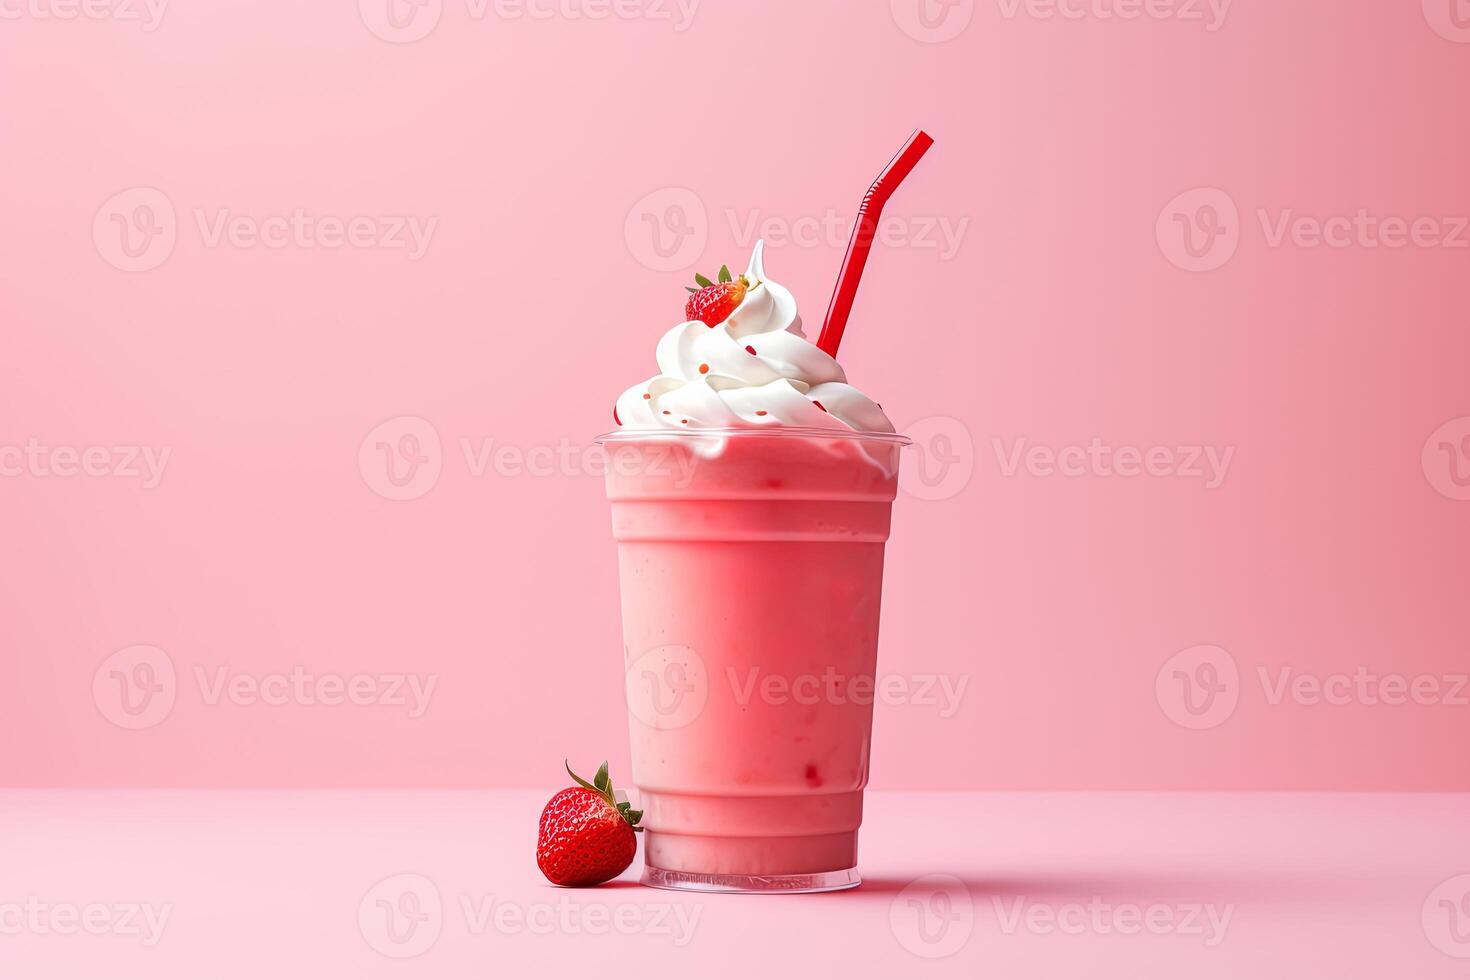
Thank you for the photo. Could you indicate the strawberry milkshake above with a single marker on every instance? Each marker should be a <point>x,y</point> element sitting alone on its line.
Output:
<point>751,488</point>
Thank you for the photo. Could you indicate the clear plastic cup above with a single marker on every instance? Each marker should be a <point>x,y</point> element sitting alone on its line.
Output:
<point>751,570</point>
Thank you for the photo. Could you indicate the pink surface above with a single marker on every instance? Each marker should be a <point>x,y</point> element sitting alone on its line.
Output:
<point>194,416</point>
<point>443,884</point>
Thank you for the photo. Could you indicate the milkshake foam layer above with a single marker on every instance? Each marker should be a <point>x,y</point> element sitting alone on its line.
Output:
<point>754,369</point>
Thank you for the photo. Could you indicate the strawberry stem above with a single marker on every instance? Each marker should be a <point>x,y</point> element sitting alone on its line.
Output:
<point>602,785</point>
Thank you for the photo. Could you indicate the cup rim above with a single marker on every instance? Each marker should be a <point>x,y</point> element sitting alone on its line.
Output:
<point>751,432</point>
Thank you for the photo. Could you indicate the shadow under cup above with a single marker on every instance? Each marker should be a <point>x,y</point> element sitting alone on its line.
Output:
<point>751,569</point>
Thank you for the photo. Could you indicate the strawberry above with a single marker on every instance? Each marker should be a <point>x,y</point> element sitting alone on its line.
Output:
<point>586,834</point>
<point>714,301</point>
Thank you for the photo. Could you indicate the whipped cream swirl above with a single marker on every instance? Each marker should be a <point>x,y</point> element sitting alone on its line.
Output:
<point>754,369</point>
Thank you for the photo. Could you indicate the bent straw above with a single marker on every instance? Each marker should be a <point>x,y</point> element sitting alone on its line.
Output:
<point>863,234</point>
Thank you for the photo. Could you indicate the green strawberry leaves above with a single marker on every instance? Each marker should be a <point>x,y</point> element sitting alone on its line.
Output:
<point>705,281</point>
<point>583,783</point>
<point>602,785</point>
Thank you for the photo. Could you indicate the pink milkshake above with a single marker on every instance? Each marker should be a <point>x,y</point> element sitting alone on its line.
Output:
<point>751,488</point>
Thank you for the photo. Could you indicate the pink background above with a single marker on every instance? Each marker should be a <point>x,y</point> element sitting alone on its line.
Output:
<point>1337,539</point>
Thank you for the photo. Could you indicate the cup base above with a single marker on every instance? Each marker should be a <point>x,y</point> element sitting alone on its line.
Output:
<point>693,881</point>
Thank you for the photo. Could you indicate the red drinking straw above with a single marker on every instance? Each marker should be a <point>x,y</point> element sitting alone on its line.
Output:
<point>862,238</point>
